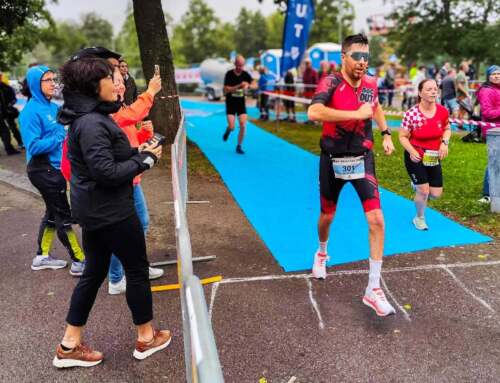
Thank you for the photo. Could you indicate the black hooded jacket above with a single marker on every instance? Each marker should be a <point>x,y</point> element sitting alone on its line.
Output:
<point>103,164</point>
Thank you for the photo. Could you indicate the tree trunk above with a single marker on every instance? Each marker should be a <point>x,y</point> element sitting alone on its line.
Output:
<point>155,50</point>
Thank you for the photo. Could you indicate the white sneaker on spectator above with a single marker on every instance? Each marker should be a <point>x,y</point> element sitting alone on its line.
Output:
<point>377,301</point>
<point>118,287</point>
<point>155,273</point>
<point>485,199</point>
<point>319,265</point>
<point>41,262</point>
<point>420,223</point>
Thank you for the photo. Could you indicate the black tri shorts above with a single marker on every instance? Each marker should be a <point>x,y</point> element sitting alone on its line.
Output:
<point>330,186</point>
<point>236,105</point>
<point>420,174</point>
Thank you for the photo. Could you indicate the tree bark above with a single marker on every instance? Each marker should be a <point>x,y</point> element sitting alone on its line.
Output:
<point>155,49</point>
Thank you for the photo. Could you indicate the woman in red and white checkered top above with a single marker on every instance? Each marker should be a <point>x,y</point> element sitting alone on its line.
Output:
<point>425,135</point>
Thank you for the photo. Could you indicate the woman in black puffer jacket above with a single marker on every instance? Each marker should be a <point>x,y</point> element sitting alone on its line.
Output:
<point>103,167</point>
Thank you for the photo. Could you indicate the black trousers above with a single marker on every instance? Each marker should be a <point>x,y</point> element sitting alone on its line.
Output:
<point>11,123</point>
<point>52,186</point>
<point>5,136</point>
<point>264,106</point>
<point>126,240</point>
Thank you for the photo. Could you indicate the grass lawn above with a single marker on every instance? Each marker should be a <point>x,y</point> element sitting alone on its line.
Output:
<point>463,172</point>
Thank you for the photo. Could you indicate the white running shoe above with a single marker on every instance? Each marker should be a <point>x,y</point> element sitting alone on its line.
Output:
<point>41,262</point>
<point>155,273</point>
<point>485,199</point>
<point>319,265</point>
<point>117,288</point>
<point>377,301</point>
<point>420,223</point>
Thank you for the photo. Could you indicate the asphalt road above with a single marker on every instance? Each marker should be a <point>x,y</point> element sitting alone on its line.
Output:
<point>268,324</point>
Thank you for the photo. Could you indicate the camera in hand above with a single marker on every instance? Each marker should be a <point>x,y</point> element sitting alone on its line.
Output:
<point>157,137</point>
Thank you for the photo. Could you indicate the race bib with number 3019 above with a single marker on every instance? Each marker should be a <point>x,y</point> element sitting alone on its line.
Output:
<point>431,158</point>
<point>349,168</point>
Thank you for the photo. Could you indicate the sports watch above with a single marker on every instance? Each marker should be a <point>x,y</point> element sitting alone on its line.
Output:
<point>446,142</point>
<point>386,132</point>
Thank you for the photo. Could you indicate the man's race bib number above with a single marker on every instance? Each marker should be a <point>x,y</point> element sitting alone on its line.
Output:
<point>431,158</point>
<point>238,93</point>
<point>349,168</point>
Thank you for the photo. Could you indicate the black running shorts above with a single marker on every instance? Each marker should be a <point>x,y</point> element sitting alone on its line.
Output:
<point>420,174</point>
<point>236,106</point>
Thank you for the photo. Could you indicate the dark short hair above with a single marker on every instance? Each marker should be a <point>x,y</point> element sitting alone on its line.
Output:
<point>101,52</point>
<point>354,39</point>
<point>83,75</point>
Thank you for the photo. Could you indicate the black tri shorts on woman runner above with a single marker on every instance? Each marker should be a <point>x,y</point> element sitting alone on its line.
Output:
<point>236,106</point>
<point>330,186</point>
<point>420,174</point>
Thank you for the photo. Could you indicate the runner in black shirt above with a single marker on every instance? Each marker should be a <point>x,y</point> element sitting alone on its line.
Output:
<point>236,82</point>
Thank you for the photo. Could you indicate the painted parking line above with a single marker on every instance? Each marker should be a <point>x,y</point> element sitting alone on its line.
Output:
<point>481,301</point>
<point>315,305</point>
<point>398,305</point>
<point>361,271</point>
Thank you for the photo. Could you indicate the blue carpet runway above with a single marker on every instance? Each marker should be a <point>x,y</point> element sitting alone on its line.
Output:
<point>276,185</point>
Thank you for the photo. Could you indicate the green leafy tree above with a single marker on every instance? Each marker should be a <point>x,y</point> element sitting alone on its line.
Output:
<point>275,23</point>
<point>225,39</point>
<point>97,31</point>
<point>21,23</point>
<point>126,42</point>
<point>377,50</point>
<point>63,40</point>
<point>251,32</point>
<point>196,33</point>
<point>67,37</point>
<point>325,27</point>
<point>456,29</point>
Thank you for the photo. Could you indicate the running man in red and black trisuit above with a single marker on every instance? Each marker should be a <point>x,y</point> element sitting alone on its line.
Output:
<point>236,81</point>
<point>346,102</point>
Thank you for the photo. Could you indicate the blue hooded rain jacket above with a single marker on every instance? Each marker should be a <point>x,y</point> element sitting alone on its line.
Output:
<point>41,133</point>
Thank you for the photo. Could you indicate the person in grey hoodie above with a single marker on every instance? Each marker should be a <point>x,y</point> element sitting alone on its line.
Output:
<point>43,137</point>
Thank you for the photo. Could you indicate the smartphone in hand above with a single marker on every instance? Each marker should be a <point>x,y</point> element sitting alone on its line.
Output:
<point>157,70</point>
<point>158,137</point>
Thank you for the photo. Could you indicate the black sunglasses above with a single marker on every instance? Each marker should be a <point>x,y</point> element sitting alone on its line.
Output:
<point>357,56</point>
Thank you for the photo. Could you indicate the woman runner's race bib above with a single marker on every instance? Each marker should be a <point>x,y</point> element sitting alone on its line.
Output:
<point>349,168</point>
<point>431,158</point>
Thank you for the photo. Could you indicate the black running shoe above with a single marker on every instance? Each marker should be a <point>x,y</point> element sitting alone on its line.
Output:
<point>239,150</point>
<point>226,134</point>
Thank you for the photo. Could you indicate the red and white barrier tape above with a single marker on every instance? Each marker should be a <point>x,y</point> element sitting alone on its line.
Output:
<point>301,100</point>
<point>307,101</point>
<point>470,122</point>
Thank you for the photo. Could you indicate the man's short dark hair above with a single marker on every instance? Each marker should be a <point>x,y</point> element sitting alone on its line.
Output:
<point>83,75</point>
<point>101,52</point>
<point>354,39</point>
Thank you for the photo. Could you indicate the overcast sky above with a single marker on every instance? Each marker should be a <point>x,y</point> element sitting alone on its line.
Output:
<point>114,10</point>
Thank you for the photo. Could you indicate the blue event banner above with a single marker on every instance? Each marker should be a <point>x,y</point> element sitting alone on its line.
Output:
<point>299,16</point>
